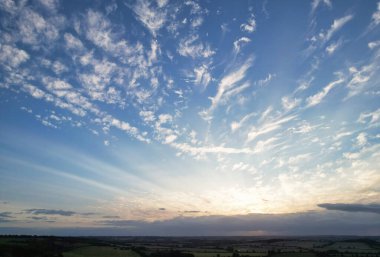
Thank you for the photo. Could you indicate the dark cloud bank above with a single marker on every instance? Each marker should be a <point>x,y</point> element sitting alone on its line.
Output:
<point>374,208</point>
<point>50,212</point>
<point>337,219</point>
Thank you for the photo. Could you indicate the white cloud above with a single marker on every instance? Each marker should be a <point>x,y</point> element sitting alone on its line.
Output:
<point>336,26</point>
<point>162,3</point>
<point>196,22</point>
<point>48,124</point>
<point>147,116</point>
<point>304,128</point>
<point>12,56</point>
<point>240,42</point>
<point>170,139</point>
<point>229,81</point>
<point>111,8</point>
<point>250,26</point>
<point>316,3</point>
<point>58,85</point>
<point>351,156</point>
<point>58,67</point>
<point>342,134</point>
<point>374,44</point>
<point>65,91</point>
<point>234,91</point>
<point>34,29</point>
<point>361,139</point>
<point>376,16</point>
<point>360,78</point>
<point>202,75</point>
<point>100,31</point>
<point>190,47</point>
<point>319,40</point>
<point>210,149</point>
<point>152,19</point>
<point>235,125</point>
<point>155,50</point>
<point>241,166</point>
<point>265,145</point>
<point>124,126</point>
<point>265,114</point>
<point>268,127</point>
<point>164,118</point>
<point>34,91</point>
<point>8,6</point>
<point>264,82</point>
<point>99,83</point>
<point>51,5</point>
<point>289,104</point>
<point>142,95</point>
<point>95,85</point>
<point>333,47</point>
<point>73,42</point>
<point>318,97</point>
<point>295,160</point>
<point>303,85</point>
<point>40,94</point>
<point>373,117</point>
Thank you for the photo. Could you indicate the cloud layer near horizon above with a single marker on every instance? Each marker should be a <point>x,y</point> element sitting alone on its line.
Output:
<point>305,223</point>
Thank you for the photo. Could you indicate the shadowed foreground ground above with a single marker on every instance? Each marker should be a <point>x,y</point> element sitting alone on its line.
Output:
<point>34,246</point>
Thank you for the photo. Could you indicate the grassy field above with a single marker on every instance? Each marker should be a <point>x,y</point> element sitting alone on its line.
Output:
<point>100,251</point>
<point>224,254</point>
<point>353,247</point>
<point>294,255</point>
<point>210,254</point>
<point>12,241</point>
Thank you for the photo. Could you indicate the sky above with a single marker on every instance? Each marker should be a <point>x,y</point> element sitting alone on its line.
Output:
<point>190,118</point>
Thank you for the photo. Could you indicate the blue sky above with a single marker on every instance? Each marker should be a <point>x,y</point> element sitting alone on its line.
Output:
<point>189,117</point>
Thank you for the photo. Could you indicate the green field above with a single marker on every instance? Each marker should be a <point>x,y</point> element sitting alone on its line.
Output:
<point>100,251</point>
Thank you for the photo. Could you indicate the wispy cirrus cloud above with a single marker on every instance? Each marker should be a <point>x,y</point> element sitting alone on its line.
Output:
<point>320,39</point>
<point>230,82</point>
<point>268,127</point>
<point>240,42</point>
<point>375,17</point>
<point>318,97</point>
<point>195,150</point>
<point>330,49</point>
<point>335,27</point>
<point>316,3</point>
